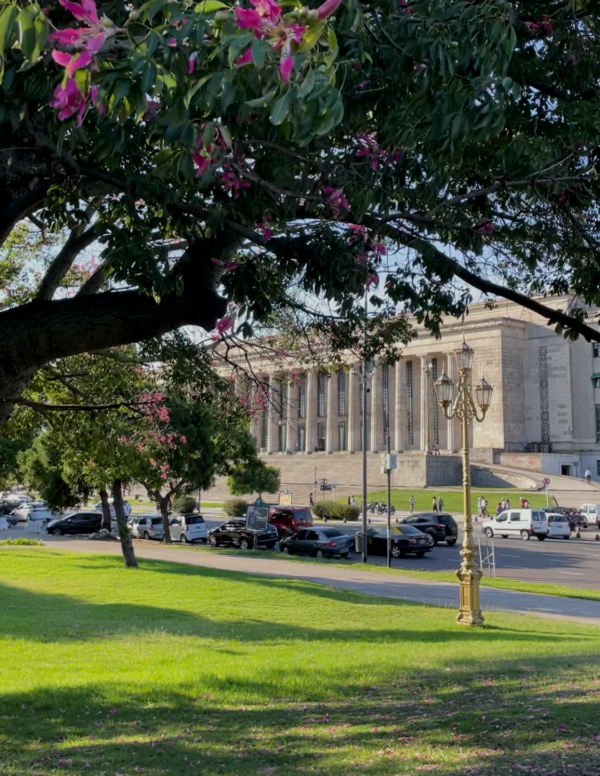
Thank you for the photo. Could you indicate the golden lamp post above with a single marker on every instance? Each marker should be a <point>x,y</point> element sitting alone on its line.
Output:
<point>467,409</point>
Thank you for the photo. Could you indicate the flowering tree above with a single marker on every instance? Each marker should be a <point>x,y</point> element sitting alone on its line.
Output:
<point>236,160</point>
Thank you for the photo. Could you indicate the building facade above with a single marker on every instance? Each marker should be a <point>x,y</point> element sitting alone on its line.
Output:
<point>546,396</point>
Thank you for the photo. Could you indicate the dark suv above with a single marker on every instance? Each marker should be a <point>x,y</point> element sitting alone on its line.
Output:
<point>235,533</point>
<point>441,527</point>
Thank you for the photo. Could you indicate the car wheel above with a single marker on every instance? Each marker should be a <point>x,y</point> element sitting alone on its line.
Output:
<point>183,539</point>
<point>396,551</point>
<point>435,541</point>
<point>541,538</point>
<point>270,545</point>
<point>489,533</point>
<point>213,541</point>
<point>57,532</point>
<point>343,554</point>
<point>320,555</point>
<point>504,536</point>
<point>244,544</point>
<point>525,536</point>
<point>450,542</point>
<point>146,535</point>
<point>568,536</point>
<point>420,554</point>
<point>286,551</point>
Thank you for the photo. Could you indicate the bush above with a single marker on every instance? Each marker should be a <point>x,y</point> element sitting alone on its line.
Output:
<point>235,507</point>
<point>336,511</point>
<point>184,504</point>
<point>22,542</point>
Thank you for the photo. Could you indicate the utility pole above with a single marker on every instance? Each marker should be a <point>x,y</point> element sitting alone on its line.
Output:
<point>364,435</point>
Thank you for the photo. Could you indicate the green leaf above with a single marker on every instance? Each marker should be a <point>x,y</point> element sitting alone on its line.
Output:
<point>262,102</point>
<point>332,40</point>
<point>27,36</point>
<point>280,109</point>
<point>7,20</point>
<point>311,38</point>
<point>208,136</point>
<point>209,6</point>
<point>259,52</point>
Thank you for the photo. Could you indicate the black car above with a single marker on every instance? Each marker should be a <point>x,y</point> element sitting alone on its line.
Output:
<point>6,510</point>
<point>441,527</point>
<point>235,533</point>
<point>76,523</point>
<point>321,542</point>
<point>406,540</point>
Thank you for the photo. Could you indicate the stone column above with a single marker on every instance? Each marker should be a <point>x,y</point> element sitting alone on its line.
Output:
<point>398,409</point>
<point>331,435</point>
<point>311,411</point>
<point>354,409</point>
<point>273,416</point>
<point>453,430</point>
<point>376,410</point>
<point>424,405</point>
<point>292,416</point>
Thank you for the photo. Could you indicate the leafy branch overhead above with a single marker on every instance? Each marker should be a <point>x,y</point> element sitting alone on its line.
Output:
<point>232,165</point>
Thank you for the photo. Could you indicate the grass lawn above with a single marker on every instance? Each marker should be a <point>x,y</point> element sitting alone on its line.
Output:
<point>453,499</point>
<point>174,670</point>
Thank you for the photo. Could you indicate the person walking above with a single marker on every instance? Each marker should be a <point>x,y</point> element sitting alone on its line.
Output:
<point>479,508</point>
<point>411,504</point>
<point>522,502</point>
<point>588,476</point>
<point>434,505</point>
<point>499,508</point>
<point>352,502</point>
<point>311,500</point>
<point>507,504</point>
<point>349,500</point>
<point>485,505</point>
<point>440,504</point>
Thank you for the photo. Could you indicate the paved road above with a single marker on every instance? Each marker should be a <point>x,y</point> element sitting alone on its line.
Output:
<point>368,582</point>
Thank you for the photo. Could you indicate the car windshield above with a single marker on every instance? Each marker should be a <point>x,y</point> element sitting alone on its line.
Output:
<point>302,515</point>
<point>196,520</point>
<point>557,519</point>
<point>156,521</point>
<point>407,529</point>
<point>331,532</point>
<point>445,519</point>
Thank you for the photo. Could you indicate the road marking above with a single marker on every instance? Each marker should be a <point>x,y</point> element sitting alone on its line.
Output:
<point>506,555</point>
<point>573,573</point>
<point>518,567</point>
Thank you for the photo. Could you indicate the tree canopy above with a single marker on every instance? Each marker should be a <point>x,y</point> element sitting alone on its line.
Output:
<point>235,162</point>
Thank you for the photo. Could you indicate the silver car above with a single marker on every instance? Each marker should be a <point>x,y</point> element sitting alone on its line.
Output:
<point>146,526</point>
<point>26,512</point>
<point>188,528</point>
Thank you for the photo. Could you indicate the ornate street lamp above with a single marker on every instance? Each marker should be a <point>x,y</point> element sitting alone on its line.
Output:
<point>466,409</point>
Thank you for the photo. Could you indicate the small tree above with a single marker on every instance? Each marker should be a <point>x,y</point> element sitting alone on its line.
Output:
<point>253,477</point>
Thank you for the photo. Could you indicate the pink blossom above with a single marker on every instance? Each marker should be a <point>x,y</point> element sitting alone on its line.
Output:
<point>336,200</point>
<point>486,228</point>
<point>297,32</point>
<point>69,101</point>
<point>372,279</point>
<point>202,163</point>
<point>87,11</point>
<point>232,182</point>
<point>532,27</point>
<point>152,462</point>
<point>379,248</point>
<point>217,261</point>
<point>360,233</point>
<point>248,19</point>
<point>285,68</point>
<point>224,324</point>
<point>232,266</point>
<point>94,94</point>
<point>245,58</point>
<point>72,63</point>
<point>183,440</point>
<point>329,6</point>
<point>264,225</point>
<point>192,62</point>
<point>268,9</point>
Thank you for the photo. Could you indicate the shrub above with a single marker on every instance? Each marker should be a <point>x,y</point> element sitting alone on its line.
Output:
<point>235,507</point>
<point>22,542</point>
<point>184,504</point>
<point>336,511</point>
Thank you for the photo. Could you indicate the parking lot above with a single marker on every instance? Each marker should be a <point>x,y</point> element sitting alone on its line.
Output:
<point>573,562</point>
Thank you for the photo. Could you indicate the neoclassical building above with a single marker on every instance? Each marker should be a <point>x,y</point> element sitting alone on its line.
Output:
<point>546,396</point>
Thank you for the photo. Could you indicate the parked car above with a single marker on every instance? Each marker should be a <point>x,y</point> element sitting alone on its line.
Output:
<point>7,511</point>
<point>517,522</point>
<point>290,520</point>
<point>441,527</point>
<point>147,526</point>
<point>591,513</point>
<point>75,523</point>
<point>558,526</point>
<point>406,540</point>
<point>111,502</point>
<point>25,512</point>
<point>17,498</point>
<point>235,533</point>
<point>321,542</point>
<point>188,528</point>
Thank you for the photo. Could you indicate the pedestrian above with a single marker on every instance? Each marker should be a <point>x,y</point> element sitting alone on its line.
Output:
<point>503,504</point>
<point>522,502</point>
<point>440,504</point>
<point>525,504</point>
<point>588,476</point>
<point>353,502</point>
<point>507,506</point>
<point>349,501</point>
<point>479,508</point>
<point>434,505</point>
<point>411,504</point>
<point>485,504</point>
<point>311,500</point>
<point>499,508</point>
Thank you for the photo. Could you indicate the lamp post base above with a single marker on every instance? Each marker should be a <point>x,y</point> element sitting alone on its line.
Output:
<point>470,604</point>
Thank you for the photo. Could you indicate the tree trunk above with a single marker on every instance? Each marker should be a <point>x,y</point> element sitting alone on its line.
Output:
<point>124,535</point>
<point>163,502</point>
<point>105,509</point>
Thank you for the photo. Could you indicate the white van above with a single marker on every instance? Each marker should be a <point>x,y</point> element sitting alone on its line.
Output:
<point>517,522</point>
<point>591,512</point>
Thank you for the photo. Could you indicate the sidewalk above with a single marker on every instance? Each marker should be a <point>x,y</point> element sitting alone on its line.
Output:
<point>367,582</point>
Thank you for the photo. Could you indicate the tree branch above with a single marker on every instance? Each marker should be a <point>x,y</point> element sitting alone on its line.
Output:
<point>78,241</point>
<point>43,407</point>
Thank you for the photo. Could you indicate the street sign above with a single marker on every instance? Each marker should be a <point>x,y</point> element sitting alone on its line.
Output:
<point>546,481</point>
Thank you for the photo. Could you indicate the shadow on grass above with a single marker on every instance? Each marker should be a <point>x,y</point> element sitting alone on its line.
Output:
<point>508,718</point>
